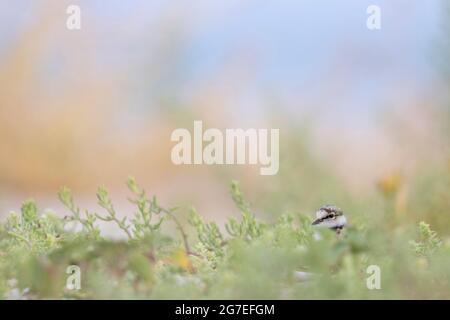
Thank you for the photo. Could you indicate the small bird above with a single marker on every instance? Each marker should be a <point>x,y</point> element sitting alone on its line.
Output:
<point>331,217</point>
<point>328,216</point>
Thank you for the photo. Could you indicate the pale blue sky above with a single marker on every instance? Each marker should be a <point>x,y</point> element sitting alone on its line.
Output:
<point>309,47</point>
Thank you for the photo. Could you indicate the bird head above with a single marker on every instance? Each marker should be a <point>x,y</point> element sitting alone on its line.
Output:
<point>331,217</point>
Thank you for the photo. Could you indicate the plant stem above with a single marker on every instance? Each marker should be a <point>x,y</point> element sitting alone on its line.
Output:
<point>180,228</point>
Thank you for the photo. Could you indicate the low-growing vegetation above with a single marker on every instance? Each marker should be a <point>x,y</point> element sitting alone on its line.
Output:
<point>245,258</point>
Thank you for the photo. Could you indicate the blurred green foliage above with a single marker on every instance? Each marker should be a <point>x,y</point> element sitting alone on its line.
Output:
<point>247,258</point>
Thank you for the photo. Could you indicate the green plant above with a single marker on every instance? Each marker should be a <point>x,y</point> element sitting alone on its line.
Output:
<point>37,233</point>
<point>428,241</point>
<point>248,228</point>
<point>247,259</point>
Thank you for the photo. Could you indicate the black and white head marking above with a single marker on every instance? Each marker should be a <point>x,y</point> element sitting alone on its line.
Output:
<point>331,217</point>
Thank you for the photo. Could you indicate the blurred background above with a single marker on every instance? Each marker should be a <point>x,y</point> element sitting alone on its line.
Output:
<point>363,115</point>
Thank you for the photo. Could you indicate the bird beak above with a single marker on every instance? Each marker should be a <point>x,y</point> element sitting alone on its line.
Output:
<point>317,221</point>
